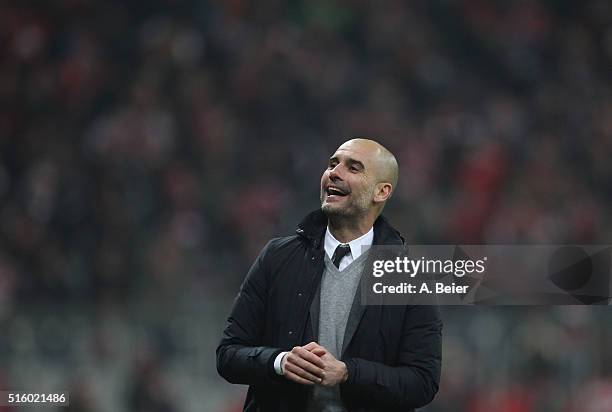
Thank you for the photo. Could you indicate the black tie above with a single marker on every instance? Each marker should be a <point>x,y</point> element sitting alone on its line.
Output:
<point>340,252</point>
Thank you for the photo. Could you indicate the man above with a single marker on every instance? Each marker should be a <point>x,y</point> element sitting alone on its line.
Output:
<point>298,334</point>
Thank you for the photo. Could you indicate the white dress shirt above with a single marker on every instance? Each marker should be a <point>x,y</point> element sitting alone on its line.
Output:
<point>358,246</point>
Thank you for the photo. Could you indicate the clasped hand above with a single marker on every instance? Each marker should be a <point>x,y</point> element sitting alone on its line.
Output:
<point>313,364</point>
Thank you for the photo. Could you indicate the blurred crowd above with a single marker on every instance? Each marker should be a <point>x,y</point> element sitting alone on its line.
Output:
<point>148,149</point>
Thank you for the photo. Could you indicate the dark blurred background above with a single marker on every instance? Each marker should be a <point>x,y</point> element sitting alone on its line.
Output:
<point>149,149</point>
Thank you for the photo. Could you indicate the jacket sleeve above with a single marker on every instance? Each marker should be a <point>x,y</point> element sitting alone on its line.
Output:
<point>414,381</point>
<point>240,357</point>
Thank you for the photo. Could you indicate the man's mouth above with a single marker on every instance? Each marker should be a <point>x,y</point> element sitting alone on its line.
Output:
<point>334,192</point>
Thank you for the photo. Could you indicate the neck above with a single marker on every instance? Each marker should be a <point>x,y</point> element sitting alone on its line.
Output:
<point>345,230</point>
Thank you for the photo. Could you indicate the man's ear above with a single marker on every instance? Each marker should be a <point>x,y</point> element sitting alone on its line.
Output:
<point>382,192</point>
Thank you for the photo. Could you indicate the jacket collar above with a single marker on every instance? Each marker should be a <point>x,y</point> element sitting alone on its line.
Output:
<point>314,224</point>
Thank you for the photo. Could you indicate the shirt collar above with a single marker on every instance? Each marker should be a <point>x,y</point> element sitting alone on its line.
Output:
<point>358,246</point>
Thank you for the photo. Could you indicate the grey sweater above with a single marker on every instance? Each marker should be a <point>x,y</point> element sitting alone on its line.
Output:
<point>337,294</point>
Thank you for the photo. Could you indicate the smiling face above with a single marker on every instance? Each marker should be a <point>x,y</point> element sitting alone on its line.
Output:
<point>356,181</point>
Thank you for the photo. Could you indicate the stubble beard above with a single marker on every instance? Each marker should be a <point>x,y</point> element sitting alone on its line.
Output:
<point>348,213</point>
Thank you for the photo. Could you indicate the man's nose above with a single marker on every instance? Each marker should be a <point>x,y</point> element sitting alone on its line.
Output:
<point>335,173</point>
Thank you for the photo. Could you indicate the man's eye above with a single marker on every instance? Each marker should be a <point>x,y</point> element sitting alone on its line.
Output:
<point>354,169</point>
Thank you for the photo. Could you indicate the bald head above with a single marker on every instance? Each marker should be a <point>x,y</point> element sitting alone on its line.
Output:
<point>381,160</point>
<point>360,177</point>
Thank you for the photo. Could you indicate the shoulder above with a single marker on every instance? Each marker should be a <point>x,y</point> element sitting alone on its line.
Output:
<point>281,242</point>
<point>283,256</point>
<point>281,246</point>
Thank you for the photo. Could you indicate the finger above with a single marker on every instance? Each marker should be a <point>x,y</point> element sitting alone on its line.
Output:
<point>319,351</point>
<point>311,346</point>
<point>295,378</point>
<point>309,356</point>
<point>326,382</point>
<point>302,363</point>
<point>302,373</point>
